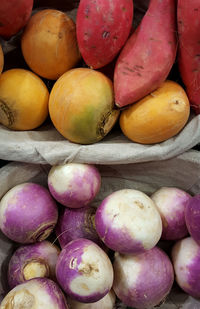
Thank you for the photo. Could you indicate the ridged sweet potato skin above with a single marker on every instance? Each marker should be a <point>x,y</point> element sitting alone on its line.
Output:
<point>149,54</point>
<point>102,29</point>
<point>188,16</point>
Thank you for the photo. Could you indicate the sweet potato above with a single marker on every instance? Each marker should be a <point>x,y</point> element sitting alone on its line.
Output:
<point>188,15</point>
<point>149,54</point>
<point>14,15</point>
<point>102,29</point>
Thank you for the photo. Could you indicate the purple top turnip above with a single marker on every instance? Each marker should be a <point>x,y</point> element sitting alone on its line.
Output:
<point>32,261</point>
<point>143,281</point>
<point>28,213</point>
<point>186,261</point>
<point>171,203</point>
<point>74,185</point>
<point>77,223</point>
<point>128,222</point>
<point>192,217</point>
<point>84,271</point>
<point>37,293</point>
<point>107,302</point>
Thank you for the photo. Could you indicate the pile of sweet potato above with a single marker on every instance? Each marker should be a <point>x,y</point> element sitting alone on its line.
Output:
<point>169,28</point>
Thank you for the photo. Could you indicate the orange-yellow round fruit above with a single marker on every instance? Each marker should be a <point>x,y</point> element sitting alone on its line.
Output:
<point>23,100</point>
<point>81,105</point>
<point>158,116</point>
<point>49,43</point>
<point>1,59</point>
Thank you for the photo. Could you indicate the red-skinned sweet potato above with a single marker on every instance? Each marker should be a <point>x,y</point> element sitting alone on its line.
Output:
<point>188,15</point>
<point>102,29</point>
<point>149,54</point>
<point>14,14</point>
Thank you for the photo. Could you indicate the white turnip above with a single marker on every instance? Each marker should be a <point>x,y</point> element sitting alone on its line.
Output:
<point>77,223</point>
<point>32,261</point>
<point>37,293</point>
<point>28,213</point>
<point>171,203</point>
<point>186,261</point>
<point>128,222</point>
<point>84,271</point>
<point>143,281</point>
<point>192,217</point>
<point>74,185</point>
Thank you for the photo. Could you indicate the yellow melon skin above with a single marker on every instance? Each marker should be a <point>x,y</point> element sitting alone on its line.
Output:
<point>49,44</point>
<point>1,59</point>
<point>81,105</point>
<point>158,116</point>
<point>23,100</point>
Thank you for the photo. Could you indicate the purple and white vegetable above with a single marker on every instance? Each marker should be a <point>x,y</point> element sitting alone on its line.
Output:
<point>37,293</point>
<point>74,185</point>
<point>186,261</point>
<point>144,280</point>
<point>128,222</point>
<point>28,213</point>
<point>84,271</point>
<point>192,217</point>
<point>33,261</point>
<point>171,203</point>
<point>107,302</point>
<point>77,223</point>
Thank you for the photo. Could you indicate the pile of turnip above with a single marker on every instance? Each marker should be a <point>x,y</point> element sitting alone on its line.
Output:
<point>72,254</point>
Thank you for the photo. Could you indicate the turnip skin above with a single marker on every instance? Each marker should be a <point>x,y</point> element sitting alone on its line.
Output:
<point>28,213</point>
<point>74,184</point>
<point>31,261</point>
<point>84,271</point>
<point>171,203</point>
<point>143,281</point>
<point>107,302</point>
<point>186,262</point>
<point>77,223</point>
<point>37,293</point>
<point>192,218</point>
<point>128,221</point>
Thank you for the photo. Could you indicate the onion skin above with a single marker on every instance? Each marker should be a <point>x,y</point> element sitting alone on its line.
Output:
<point>84,271</point>
<point>143,281</point>
<point>77,223</point>
<point>37,293</point>
<point>74,185</point>
<point>107,302</point>
<point>43,254</point>
<point>128,222</point>
<point>186,262</point>
<point>28,213</point>
<point>171,203</point>
<point>192,218</point>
